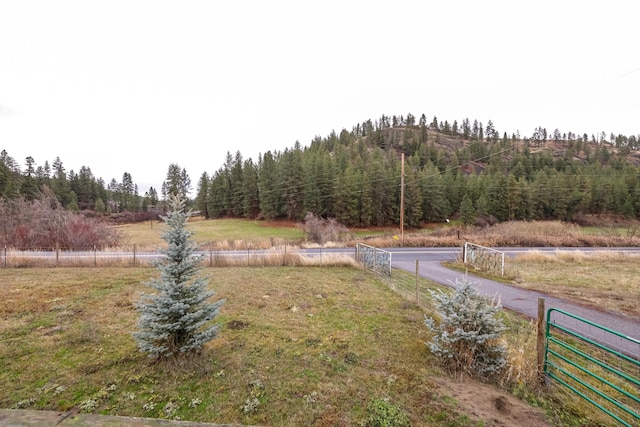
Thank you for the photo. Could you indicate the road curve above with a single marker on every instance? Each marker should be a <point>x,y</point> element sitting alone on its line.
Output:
<point>522,301</point>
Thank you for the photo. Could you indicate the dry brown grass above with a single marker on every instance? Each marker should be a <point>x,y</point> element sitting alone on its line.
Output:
<point>515,233</point>
<point>243,244</point>
<point>250,257</point>
<point>603,279</point>
<point>521,356</point>
<point>106,258</point>
<point>277,258</point>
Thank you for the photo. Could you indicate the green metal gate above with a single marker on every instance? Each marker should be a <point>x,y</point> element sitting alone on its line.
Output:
<point>606,377</point>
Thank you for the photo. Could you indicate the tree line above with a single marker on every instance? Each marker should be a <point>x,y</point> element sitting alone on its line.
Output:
<point>82,191</point>
<point>463,169</point>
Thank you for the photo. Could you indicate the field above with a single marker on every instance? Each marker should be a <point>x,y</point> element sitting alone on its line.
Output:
<point>239,234</point>
<point>606,280</point>
<point>299,346</point>
<point>147,233</point>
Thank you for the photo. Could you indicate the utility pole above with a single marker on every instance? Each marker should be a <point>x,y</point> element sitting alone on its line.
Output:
<point>402,201</point>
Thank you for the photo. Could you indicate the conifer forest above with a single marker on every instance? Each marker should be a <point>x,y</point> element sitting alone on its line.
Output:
<point>466,170</point>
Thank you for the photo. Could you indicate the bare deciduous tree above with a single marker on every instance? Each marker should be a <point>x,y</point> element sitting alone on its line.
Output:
<point>43,223</point>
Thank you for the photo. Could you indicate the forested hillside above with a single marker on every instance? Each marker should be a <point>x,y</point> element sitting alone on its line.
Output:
<point>467,170</point>
<point>451,169</point>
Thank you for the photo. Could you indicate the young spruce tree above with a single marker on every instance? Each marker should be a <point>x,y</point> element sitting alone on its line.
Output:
<point>468,337</point>
<point>175,321</point>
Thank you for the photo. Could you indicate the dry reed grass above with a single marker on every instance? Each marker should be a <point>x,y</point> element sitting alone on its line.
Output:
<point>290,258</point>
<point>19,259</point>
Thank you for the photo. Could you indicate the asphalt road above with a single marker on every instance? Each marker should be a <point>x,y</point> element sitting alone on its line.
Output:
<point>524,301</point>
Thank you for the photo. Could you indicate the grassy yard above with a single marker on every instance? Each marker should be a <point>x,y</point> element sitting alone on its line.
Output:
<point>299,346</point>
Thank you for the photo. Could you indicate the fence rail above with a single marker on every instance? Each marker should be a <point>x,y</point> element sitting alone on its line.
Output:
<point>606,377</point>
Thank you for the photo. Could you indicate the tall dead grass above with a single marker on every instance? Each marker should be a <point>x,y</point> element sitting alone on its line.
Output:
<point>521,356</point>
<point>279,259</point>
<point>514,233</point>
<point>244,244</point>
<point>220,258</point>
<point>578,257</point>
<point>19,259</point>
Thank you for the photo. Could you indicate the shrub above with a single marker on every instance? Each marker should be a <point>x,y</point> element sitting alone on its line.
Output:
<point>468,335</point>
<point>321,231</point>
<point>43,223</point>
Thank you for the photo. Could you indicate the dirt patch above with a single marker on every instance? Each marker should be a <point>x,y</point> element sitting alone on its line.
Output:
<point>487,403</point>
<point>237,324</point>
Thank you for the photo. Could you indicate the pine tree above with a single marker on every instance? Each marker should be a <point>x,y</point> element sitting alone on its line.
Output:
<point>201,197</point>
<point>177,182</point>
<point>269,186</point>
<point>175,320</point>
<point>29,186</point>
<point>251,199</point>
<point>467,211</point>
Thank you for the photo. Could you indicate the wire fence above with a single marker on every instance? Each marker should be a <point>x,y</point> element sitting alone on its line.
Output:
<point>411,287</point>
<point>93,257</point>
<point>374,259</point>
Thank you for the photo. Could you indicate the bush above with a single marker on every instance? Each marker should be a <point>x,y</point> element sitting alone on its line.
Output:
<point>43,223</point>
<point>321,231</point>
<point>468,335</point>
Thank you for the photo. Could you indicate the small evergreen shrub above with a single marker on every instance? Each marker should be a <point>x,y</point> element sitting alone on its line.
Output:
<point>467,338</point>
<point>175,320</point>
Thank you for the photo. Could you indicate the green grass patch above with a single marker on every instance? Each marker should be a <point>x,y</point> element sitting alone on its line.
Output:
<point>206,231</point>
<point>299,346</point>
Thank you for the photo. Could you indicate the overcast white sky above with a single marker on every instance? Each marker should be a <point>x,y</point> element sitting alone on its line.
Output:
<point>132,86</point>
